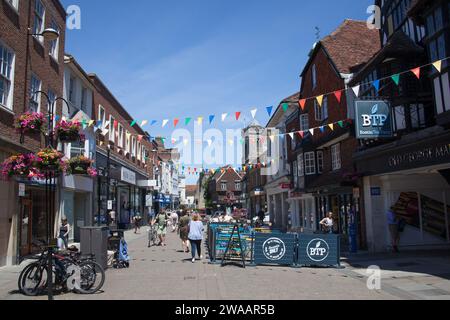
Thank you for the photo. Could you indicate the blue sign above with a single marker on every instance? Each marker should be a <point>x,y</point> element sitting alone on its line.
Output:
<point>375,191</point>
<point>274,248</point>
<point>373,120</point>
<point>319,250</point>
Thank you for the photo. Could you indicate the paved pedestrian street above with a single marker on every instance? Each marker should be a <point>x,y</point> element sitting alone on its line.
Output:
<point>168,274</point>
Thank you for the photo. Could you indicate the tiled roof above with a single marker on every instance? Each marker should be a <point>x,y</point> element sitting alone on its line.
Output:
<point>191,190</point>
<point>351,44</point>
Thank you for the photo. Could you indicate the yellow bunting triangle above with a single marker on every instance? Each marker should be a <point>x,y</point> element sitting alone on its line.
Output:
<point>331,125</point>
<point>91,123</point>
<point>438,65</point>
<point>320,100</point>
<point>200,120</point>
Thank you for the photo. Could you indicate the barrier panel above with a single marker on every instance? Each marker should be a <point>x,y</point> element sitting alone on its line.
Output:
<point>275,248</point>
<point>319,250</point>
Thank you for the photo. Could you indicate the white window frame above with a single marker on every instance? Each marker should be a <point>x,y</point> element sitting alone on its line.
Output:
<point>42,21</point>
<point>128,142</point>
<point>112,130</point>
<point>133,146</point>
<point>121,133</point>
<point>318,111</point>
<point>54,44</point>
<point>301,165</point>
<point>72,92</point>
<point>51,94</point>
<point>237,186</point>
<point>310,163</point>
<point>304,122</point>
<point>139,151</point>
<point>223,183</point>
<point>35,97</point>
<point>336,162</point>
<point>7,75</point>
<point>100,117</point>
<point>320,161</point>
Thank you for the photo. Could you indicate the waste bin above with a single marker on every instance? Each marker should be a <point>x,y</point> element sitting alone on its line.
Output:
<point>94,240</point>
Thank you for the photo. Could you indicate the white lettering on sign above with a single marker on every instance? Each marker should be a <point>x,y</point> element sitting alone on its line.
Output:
<point>378,120</point>
<point>128,176</point>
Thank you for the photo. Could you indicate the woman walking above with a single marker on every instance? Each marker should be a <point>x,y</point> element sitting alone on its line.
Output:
<point>161,219</point>
<point>63,236</point>
<point>183,229</point>
<point>196,236</point>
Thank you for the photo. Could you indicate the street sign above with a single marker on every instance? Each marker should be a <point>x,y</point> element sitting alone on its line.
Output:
<point>373,120</point>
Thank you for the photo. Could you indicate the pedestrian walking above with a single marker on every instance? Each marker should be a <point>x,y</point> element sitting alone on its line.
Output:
<point>174,219</point>
<point>137,223</point>
<point>183,229</point>
<point>196,230</point>
<point>393,224</point>
<point>328,223</point>
<point>63,236</point>
<point>161,220</point>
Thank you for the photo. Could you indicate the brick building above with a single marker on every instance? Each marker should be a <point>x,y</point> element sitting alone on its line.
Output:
<point>225,189</point>
<point>321,161</point>
<point>28,64</point>
<point>122,156</point>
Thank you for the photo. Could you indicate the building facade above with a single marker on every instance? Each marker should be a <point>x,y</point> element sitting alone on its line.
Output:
<point>225,190</point>
<point>28,64</point>
<point>408,172</point>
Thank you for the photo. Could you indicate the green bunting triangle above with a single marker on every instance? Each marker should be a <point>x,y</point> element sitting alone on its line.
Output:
<point>396,78</point>
<point>285,107</point>
<point>133,123</point>
<point>187,121</point>
<point>341,123</point>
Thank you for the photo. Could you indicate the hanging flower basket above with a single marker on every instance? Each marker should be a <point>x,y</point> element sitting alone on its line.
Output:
<point>49,159</point>
<point>68,131</point>
<point>20,166</point>
<point>81,166</point>
<point>30,121</point>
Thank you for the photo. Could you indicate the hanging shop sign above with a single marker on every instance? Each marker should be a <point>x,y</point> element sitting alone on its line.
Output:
<point>278,249</point>
<point>128,176</point>
<point>373,120</point>
<point>319,250</point>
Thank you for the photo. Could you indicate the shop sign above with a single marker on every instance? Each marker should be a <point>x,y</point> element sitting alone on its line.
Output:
<point>275,250</point>
<point>128,176</point>
<point>419,156</point>
<point>373,120</point>
<point>286,186</point>
<point>21,189</point>
<point>319,250</point>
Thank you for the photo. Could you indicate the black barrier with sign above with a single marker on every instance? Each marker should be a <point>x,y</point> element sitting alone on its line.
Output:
<point>319,250</point>
<point>275,249</point>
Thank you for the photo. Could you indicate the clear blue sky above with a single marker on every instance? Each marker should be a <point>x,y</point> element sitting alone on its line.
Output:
<point>175,58</point>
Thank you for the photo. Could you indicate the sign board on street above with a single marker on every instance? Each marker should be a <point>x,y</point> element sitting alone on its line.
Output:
<point>373,120</point>
<point>274,248</point>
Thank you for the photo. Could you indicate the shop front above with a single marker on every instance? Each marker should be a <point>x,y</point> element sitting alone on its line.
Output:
<point>412,180</point>
<point>303,210</point>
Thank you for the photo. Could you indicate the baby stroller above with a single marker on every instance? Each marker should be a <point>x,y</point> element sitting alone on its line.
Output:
<point>118,244</point>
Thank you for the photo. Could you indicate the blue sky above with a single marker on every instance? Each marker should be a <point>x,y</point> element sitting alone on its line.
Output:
<point>166,59</point>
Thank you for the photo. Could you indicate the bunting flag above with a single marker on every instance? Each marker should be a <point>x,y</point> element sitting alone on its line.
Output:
<point>153,122</point>
<point>84,123</point>
<point>320,100</point>
<point>356,90</point>
<point>269,110</point>
<point>230,142</point>
<point>341,123</point>
<point>338,95</point>
<point>242,141</point>
<point>200,120</point>
<point>302,103</point>
<point>56,118</point>
<point>416,72</point>
<point>224,116</point>
<point>91,123</point>
<point>301,134</point>
<point>140,137</point>
<point>209,141</point>
<point>291,135</point>
<point>116,124</point>
<point>175,122</point>
<point>185,142</point>
<point>99,123</point>
<point>331,125</point>
<point>322,129</point>
<point>186,122</point>
<point>211,118</point>
<point>285,107</point>
<point>174,141</point>
<point>107,124</point>
<point>143,123</point>
<point>238,115</point>
<point>438,65</point>
<point>133,123</point>
<point>376,85</point>
<point>311,131</point>
<point>165,122</point>
<point>396,78</point>
<point>253,112</point>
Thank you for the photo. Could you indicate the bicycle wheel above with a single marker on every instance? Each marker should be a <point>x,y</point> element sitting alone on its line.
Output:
<point>33,279</point>
<point>92,277</point>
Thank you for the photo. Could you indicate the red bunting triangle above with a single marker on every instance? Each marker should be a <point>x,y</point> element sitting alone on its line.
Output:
<point>238,115</point>
<point>338,95</point>
<point>302,103</point>
<point>301,133</point>
<point>175,122</point>
<point>416,72</point>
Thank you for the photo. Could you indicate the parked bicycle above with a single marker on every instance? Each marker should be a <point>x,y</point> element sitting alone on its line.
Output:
<point>70,272</point>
